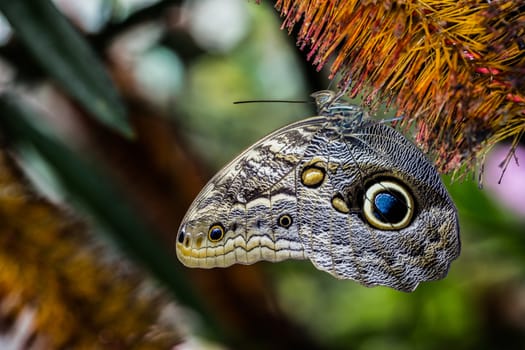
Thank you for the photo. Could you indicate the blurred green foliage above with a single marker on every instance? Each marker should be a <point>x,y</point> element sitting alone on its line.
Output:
<point>450,312</point>
<point>67,57</point>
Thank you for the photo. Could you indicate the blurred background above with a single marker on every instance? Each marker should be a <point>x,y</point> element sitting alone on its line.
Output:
<point>178,66</point>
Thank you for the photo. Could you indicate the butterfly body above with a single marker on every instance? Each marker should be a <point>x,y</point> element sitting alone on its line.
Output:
<point>351,194</point>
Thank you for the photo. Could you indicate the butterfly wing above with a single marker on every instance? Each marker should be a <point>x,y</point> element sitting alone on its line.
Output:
<point>355,197</point>
<point>341,236</point>
<point>252,203</point>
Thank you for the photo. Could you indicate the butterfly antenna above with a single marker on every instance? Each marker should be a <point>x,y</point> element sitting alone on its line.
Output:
<point>269,101</point>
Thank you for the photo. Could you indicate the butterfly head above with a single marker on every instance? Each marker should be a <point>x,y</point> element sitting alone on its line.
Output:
<point>331,104</point>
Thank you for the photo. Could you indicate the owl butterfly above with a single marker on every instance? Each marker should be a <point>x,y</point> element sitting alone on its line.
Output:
<point>351,194</point>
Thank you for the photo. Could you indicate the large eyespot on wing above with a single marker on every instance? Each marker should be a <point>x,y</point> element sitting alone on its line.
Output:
<point>388,206</point>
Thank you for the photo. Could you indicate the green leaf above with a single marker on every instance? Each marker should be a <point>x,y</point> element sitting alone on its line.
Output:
<point>67,57</point>
<point>95,191</point>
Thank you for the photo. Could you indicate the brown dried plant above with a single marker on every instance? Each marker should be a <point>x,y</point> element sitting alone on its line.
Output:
<point>454,69</point>
<point>77,293</point>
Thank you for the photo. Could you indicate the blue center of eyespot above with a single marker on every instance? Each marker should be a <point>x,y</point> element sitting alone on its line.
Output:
<point>216,233</point>
<point>390,207</point>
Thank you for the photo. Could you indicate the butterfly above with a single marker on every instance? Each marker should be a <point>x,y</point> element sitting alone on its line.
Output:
<point>351,194</point>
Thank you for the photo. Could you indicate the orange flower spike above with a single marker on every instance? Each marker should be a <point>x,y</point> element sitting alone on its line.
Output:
<point>454,68</point>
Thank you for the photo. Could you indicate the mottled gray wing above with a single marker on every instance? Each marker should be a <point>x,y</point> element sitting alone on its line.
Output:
<point>241,214</point>
<point>354,196</point>
<point>340,239</point>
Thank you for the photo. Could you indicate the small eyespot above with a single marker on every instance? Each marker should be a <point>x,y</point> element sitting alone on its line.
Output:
<point>180,239</point>
<point>285,220</point>
<point>339,204</point>
<point>216,232</point>
<point>312,176</point>
<point>388,206</point>
<point>198,242</point>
